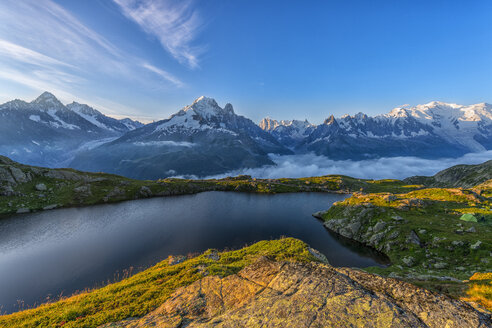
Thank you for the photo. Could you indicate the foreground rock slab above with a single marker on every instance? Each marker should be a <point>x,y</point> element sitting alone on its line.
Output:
<point>284,294</point>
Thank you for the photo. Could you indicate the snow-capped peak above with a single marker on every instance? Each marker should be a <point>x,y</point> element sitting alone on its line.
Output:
<point>83,109</point>
<point>204,113</point>
<point>47,100</point>
<point>207,107</point>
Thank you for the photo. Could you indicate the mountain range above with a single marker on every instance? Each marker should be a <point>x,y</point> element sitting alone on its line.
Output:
<point>205,139</point>
<point>47,133</point>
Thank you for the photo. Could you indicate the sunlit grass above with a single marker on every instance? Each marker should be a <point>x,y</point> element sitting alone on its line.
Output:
<point>145,291</point>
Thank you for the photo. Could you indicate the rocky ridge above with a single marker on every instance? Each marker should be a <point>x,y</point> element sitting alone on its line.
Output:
<point>462,176</point>
<point>284,294</point>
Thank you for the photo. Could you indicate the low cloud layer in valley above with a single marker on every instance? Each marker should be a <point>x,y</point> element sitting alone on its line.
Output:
<point>296,166</point>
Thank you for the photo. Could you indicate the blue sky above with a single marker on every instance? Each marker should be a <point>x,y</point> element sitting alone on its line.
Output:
<point>283,59</point>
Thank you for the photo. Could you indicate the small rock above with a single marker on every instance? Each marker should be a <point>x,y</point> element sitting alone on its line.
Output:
<point>471,230</point>
<point>319,215</point>
<point>23,210</point>
<point>460,268</point>
<point>422,231</point>
<point>50,207</point>
<point>379,226</point>
<point>389,198</point>
<point>398,219</point>
<point>441,265</point>
<point>393,235</point>
<point>393,275</point>
<point>413,238</point>
<point>214,256</point>
<point>173,260</point>
<point>457,243</point>
<point>376,239</point>
<point>476,245</point>
<point>41,187</point>
<point>145,191</point>
<point>318,255</point>
<point>408,260</point>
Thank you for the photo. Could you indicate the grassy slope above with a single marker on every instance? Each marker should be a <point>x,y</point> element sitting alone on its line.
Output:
<point>432,213</point>
<point>143,292</point>
<point>387,222</point>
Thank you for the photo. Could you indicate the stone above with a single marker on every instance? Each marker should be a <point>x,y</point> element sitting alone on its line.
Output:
<point>457,243</point>
<point>354,227</point>
<point>214,255</point>
<point>471,230</point>
<point>19,175</point>
<point>6,176</point>
<point>441,265</point>
<point>398,219</point>
<point>409,261</point>
<point>145,191</point>
<point>422,231</point>
<point>50,207</point>
<point>390,198</point>
<point>376,239</point>
<point>476,245</point>
<point>175,259</point>
<point>302,295</point>
<point>393,235</point>
<point>413,238</point>
<point>41,187</point>
<point>318,255</point>
<point>379,226</point>
<point>23,210</point>
<point>319,215</point>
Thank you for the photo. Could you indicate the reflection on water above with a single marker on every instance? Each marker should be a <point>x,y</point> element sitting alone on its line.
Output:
<point>66,250</point>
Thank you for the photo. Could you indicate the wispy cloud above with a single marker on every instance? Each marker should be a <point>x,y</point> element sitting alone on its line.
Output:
<point>165,75</point>
<point>14,51</point>
<point>174,23</point>
<point>45,47</point>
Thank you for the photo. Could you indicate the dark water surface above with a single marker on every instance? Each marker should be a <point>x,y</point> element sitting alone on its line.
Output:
<point>66,250</point>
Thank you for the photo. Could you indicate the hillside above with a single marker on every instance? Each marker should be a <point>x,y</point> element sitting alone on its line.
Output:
<point>463,176</point>
<point>271,283</point>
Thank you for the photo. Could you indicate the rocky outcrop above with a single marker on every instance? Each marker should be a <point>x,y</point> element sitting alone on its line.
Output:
<point>274,294</point>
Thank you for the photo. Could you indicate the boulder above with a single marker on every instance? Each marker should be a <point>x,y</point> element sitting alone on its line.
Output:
<point>476,245</point>
<point>302,295</point>
<point>41,187</point>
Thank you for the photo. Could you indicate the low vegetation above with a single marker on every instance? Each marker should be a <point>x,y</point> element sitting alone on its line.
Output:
<point>480,290</point>
<point>424,234</point>
<point>421,228</point>
<point>26,188</point>
<point>143,292</point>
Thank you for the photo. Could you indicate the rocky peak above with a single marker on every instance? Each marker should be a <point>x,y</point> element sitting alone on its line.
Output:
<point>268,124</point>
<point>83,108</point>
<point>330,121</point>
<point>47,101</point>
<point>15,104</point>
<point>207,108</point>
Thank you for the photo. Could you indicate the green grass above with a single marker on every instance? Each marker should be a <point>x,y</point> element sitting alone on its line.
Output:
<point>145,291</point>
<point>434,217</point>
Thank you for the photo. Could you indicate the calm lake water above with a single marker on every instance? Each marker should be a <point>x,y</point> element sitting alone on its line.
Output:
<point>66,250</point>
